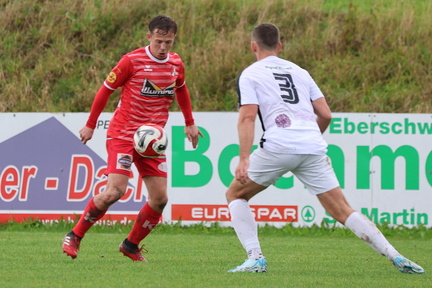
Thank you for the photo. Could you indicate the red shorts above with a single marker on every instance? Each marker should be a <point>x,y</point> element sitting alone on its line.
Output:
<point>121,155</point>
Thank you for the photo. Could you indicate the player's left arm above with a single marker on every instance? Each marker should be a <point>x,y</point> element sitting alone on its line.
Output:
<point>319,104</point>
<point>183,100</point>
<point>322,110</point>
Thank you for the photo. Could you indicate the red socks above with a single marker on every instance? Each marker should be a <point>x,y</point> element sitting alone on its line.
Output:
<point>90,215</point>
<point>146,220</point>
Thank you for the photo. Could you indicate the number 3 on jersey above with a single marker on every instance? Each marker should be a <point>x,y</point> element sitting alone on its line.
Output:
<point>287,87</point>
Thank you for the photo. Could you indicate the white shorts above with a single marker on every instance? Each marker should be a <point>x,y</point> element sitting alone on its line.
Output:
<point>314,171</point>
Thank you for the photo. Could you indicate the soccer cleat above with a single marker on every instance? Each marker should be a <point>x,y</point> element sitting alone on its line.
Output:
<point>71,244</point>
<point>406,266</point>
<point>252,265</point>
<point>134,254</point>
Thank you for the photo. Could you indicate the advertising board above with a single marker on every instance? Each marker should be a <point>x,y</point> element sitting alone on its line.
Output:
<point>383,163</point>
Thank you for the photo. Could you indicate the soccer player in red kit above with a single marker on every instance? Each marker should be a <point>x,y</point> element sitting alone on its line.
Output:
<point>150,77</point>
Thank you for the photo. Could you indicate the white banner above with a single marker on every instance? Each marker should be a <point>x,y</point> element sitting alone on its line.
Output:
<point>383,163</point>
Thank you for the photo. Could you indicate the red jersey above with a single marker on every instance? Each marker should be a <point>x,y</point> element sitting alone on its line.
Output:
<point>148,89</point>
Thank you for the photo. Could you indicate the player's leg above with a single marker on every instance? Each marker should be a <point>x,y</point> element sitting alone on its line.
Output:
<point>317,174</point>
<point>264,169</point>
<point>242,219</point>
<point>245,225</point>
<point>150,214</point>
<point>148,217</point>
<point>118,176</point>
<point>95,210</point>
<point>336,205</point>
<point>334,202</point>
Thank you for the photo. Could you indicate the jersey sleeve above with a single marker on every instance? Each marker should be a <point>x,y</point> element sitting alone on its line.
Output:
<point>245,90</point>
<point>115,79</point>
<point>99,103</point>
<point>119,74</point>
<point>181,77</point>
<point>315,91</point>
<point>184,101</point>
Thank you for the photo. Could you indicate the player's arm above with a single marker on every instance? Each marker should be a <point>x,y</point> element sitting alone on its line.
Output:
<point>116,78</point>
<point>183,100</point>
<point>322,110</point>
<point>246,133</point>
<point>99,104</point>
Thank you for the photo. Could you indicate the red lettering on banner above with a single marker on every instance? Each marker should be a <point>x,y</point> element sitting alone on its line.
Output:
<point>210,213</point>
<point>13,185</point>
<point>9,181</point>
<point>83,161</point>
<point>47,218</point>
<point>27,172</point>
<point>262,213</point>
<point>275,213</point>
<point>51,183</point>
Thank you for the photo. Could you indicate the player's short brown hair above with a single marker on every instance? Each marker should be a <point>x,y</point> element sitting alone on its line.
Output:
<point>266,35</point>
<point>163,24</point>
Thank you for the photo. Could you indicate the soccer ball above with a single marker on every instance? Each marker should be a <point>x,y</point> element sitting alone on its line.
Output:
<point>150,140</point>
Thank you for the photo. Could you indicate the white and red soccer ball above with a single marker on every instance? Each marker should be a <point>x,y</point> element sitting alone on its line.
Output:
<point>150,140</point>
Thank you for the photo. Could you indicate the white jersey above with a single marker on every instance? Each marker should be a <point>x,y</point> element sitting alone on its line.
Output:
<point>284,92</point>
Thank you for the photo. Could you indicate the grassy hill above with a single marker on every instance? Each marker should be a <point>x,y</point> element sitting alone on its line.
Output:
<point>367,56</point>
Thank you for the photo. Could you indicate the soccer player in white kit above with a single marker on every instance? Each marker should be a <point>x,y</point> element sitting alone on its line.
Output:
<point>293,114</point>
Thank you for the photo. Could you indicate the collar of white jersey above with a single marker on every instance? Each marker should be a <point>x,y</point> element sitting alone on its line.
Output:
<point>147,49</point>
<point>270,57</point>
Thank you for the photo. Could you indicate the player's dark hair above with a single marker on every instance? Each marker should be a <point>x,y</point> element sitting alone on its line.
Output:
<point>266,35</point>
<point>163,24</point>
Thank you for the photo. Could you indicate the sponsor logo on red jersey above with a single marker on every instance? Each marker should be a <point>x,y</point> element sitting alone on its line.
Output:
<point>124,161</point>
<point>111,77</point>
<point>150,89</point>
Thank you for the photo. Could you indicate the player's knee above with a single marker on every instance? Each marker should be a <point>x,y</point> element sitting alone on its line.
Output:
<point>229,195</point>
<point>341,214</point>
<point>234,194</point>
<point>162,206</point>
<point>159,201</point>
<point>109,197</point>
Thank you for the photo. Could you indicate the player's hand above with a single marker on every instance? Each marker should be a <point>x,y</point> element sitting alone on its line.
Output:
<point>86,134</point>
<point>192,133</point>
<point>241,172</point>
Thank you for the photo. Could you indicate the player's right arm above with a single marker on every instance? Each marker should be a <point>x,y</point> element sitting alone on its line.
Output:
<point>248,110</point>
<point>246,132</point>
<point>116,78</point>
<point>99,104</point>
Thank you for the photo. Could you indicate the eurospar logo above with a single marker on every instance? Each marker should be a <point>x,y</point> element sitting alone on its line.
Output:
<point>262,213</point>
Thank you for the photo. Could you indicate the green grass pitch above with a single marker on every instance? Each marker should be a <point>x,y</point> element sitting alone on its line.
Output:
<point>200,257</point>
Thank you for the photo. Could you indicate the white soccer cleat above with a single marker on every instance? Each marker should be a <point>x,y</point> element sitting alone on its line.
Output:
<point>252,265</point>
<point>406,266</point>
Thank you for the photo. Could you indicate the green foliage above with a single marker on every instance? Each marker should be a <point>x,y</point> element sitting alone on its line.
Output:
<point>367,56</point>
<point>214,228</point>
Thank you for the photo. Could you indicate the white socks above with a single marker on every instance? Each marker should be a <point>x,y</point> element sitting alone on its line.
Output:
<point>366,230</point>
<point>247,231</point>
<point>246,228</point>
